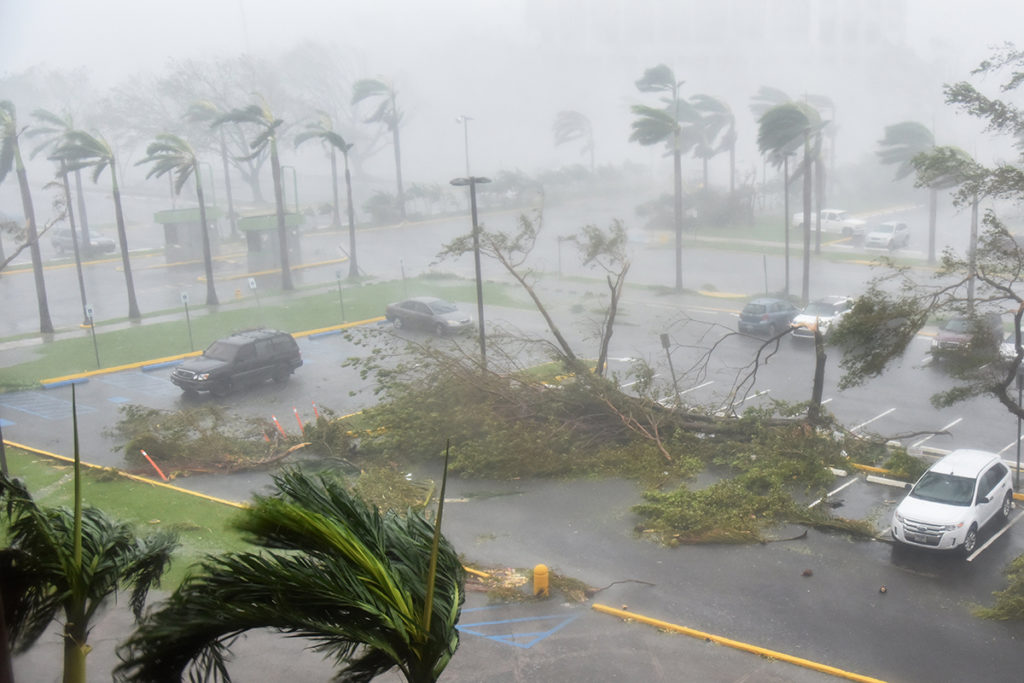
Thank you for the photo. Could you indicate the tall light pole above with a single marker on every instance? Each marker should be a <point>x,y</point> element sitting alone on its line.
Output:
<point>473,182</point>
<point>464,120</point>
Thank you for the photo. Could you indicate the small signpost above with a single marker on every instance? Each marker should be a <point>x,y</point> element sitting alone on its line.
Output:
<point>188,321</point>
<point>341,297</point>
<point>92,329</point>
<point>252,286</point>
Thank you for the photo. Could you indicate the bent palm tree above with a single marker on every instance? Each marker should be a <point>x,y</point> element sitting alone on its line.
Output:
<point>259,115</point>
<point>334,570</point>
<point>572,125</point>
<point>10,157</point>
<point>902,143</point>
<point>388,113</point>
<point>654,126</point>
<point>81,150</point>
<point>717,130</point>
<point>171,154</point>
<point>323,130</point>
<point>206,111</point>
<point>71,561</point>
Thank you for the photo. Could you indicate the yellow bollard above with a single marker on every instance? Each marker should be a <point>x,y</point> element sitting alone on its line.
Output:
<point>540,580</point>
<point>238,294</point>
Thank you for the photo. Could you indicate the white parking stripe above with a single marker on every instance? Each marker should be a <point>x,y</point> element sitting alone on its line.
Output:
<point>699,386</point>
<point>1011,445</point>
<point>832,493</point>
<point>949,426</point>
<point>876,417</point>
<point>996,535</point>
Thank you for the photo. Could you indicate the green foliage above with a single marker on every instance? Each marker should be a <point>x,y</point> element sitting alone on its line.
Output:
<point>328,435</point>
<point>902,465</point>
<point>1009,601</point>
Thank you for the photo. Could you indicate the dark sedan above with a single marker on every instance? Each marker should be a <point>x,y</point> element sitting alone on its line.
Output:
<point>767,316</point>
<point>428,313</point>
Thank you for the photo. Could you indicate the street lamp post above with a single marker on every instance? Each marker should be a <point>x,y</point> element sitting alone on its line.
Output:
<point>295,186</point>
<point>473,181</point>
<point>464,120</point>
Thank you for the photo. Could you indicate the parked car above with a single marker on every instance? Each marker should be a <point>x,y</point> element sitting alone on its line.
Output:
<point>61,240</point>
<point>960,334</point>
<point>241,359</point>
<point>890,235</point>
<point>766,316</point>
<point>955,498</point>
<point>835,221</point>
<point>824,313</point>
<point>429,313</point>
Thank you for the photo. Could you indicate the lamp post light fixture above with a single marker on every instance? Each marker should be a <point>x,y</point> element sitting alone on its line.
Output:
<point>473,181</point>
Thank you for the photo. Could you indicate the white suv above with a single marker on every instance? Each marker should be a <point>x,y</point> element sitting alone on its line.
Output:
<point>891,235</point>
<point>956,497</point>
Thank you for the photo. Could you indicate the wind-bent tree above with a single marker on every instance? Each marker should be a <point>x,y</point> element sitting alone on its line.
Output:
<point>781,131</point>
<point>388,113</point>
<point>169,154</point>
<point>267,125</point>
<point>716,133</point>
<point>663,125</point>
<point>70,562</point>
<point>332,569</point>
<point>900,144</point>
<point>323,130</point>
<point>10,157</point>
<point>207,112</point>
<point>81,150</point>
<point>570,126</point>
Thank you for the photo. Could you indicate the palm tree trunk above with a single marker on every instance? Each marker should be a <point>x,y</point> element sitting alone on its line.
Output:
<point>82,217</point>
<point>819,198</point>
<point>818,388</point>
<point>933,212</point>
<point>335,212</point>
<point>677,171</point>
<point>122,238</point>
<point>282,230</point>
<point>211,290</point>
<point>75,244</point>
<point>45,324</point>
<point>805,285</point>
<point>232,218</point>
<point>732,169</point>
<point>972,255</point>
<point>353,264</point>
<point>398,170</point>
<point>75,650</point>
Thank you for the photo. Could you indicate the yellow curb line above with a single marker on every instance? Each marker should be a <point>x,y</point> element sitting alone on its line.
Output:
<point>126,475</point>
<point>722,295</point>
<point>772,654</point>
<point>881,470</point>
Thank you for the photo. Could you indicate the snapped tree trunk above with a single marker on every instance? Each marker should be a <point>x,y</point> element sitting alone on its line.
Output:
<point>282,229</point>
<point>814,410</point>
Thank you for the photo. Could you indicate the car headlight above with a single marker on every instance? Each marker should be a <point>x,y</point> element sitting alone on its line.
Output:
<point>935,343</point>
<point>452,323</point>
<point>952,527</point>
<point>899,518</point>
<point>203,376</point>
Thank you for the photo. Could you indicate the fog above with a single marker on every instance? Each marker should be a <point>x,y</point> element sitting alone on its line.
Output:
<point>512,65</point>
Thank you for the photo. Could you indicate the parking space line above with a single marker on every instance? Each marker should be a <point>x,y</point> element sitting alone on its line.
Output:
<point>832,493</point>
<point>1010,445</point>
<point>943,429</point>
<point>1006,527</point>
<point>699,386</point>
<point>876,417</point>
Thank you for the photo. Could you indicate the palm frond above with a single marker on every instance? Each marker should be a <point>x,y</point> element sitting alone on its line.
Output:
<point>658,78</point>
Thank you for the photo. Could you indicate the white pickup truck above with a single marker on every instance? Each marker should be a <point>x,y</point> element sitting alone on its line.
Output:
<point>836,221</point>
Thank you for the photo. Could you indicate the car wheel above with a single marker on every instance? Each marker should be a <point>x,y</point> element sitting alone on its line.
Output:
<point>281,374</point>
<point>1004,511</point>
<point>398,323</point>
<point>439,329</point>
<point>221,388</point>
<point>971,540</point>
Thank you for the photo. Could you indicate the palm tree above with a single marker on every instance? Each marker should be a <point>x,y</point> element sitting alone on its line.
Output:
<point>901,144</point>
<point>388,113</point>
<point>572,125</point>
<point>717,133</point>
<point>654,126</point>
<point>71,561</point>
<point>10,157</point>
<point>206,111</point>
<point>267,124</point>
<point>323,130</point>
<point>171,154</point>
<point>781,131</point>
<point>55,127</point>
<point>332,569</point>
<point>81,150</point>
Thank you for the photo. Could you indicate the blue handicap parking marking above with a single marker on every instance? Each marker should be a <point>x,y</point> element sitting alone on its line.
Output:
<point>524,632</point>
<point>41,405</point>
<point>6,423</point>
<point>140,382</point>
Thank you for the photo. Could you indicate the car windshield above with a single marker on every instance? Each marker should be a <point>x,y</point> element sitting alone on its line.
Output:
<point>820,308</point>
<point>885,228</point>
<point>959,325</point>
<point>754,309</point>
<point>220,351</point>
<point>944,488</point>
<point>441,307</point>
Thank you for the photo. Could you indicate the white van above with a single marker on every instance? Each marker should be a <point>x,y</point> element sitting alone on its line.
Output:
<point>955,498</point>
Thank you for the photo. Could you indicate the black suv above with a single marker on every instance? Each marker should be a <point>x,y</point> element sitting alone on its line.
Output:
<point>241,359</point>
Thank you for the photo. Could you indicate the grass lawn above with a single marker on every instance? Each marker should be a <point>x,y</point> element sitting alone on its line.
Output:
<point>296,312</point>
<point>202,525</point>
